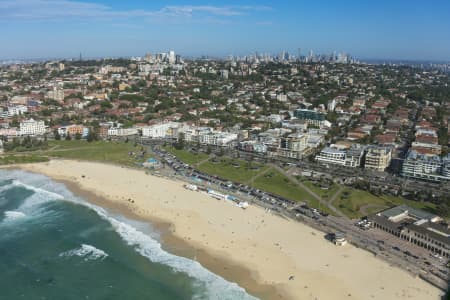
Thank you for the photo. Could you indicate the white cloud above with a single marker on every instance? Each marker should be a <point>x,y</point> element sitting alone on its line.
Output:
<point>61,9</point>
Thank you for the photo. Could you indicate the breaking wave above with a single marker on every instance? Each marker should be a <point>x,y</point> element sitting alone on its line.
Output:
<point>45,190</point>
<point>88,252</point>
<point>14,215</point>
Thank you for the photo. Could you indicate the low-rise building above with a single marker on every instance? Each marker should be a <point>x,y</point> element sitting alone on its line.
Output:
<point>253,146</point>
<point>75,129</point>
<point>9,132</point>
<point>56,94</point>
<point>158,130</point>
<point>415,226</point>
<point>378,158</point>
<point>32,127</point>
<point>426,167</point>
<point>314,118</point>
<point>333,155</point>
<point>292,146</point>
<point>117,131</point>
<point>217,138</point>
<point>17,110</point>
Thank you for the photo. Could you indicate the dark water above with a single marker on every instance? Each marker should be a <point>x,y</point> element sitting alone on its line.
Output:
<point>54,245</point>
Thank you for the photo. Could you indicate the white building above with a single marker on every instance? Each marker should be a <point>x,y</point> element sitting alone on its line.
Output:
<point>32,127</point>
<point>291,146</point>
<point>159,131</point>
<point>224,74</point>
<point>114,131</point>
<point>344,157</point>
<point>426,167</point>
<point>331,105</point>
<point>193,134</point>
<point>332,155</point>
<point>172,57</point>
<point>217,138</point>
<point>282,97</point>
<point>17,110</point>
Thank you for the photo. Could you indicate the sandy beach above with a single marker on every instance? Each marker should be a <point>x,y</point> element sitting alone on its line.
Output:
<point>252,247</point>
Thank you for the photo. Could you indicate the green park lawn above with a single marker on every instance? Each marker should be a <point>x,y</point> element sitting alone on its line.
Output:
<point>322,192</point>
<point>187,157</point>
<point>21,159</point>
<point>356,203</point>
<point>276,183</point>
<point>232,169</point>
<point>101,151</point>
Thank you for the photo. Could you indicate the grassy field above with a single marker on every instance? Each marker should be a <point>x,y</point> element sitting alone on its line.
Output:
<point>232,169</point>
<point>102,151</point>
<point>186,156</point>
<point>356,203</point>
<point>242,171</point>
<point>323,193</point>
<point>276,183</point>
<point>21,159</point>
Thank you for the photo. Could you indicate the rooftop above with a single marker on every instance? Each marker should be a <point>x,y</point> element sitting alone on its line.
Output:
<point>411,212</point>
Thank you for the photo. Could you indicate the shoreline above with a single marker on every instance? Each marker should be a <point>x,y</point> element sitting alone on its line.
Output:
<point>253,248</point>
<point>175,245</point>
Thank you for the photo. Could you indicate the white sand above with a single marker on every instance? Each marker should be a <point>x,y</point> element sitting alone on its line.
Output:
<point>271,247</point>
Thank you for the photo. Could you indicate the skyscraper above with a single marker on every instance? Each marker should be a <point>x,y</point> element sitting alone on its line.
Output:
<point>172,57</point>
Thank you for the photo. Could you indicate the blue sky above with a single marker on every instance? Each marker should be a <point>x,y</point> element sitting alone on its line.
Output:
<point>397,29</point>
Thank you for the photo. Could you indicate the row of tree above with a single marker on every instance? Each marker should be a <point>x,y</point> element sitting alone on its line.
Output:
<point>26,144</point>
<point>91,136</point>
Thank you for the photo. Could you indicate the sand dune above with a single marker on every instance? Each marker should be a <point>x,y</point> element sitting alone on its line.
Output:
<point>272,248</point>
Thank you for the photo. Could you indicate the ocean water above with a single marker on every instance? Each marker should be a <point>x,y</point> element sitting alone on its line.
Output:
<point>55,245</point>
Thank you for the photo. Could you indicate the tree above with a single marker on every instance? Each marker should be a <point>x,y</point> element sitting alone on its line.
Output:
<point>27,142</point>
<point>179,145</point>
<point>444,209</point>
<point>92,136</point>
<point>15,122</point>
<point>57,135</point>
<point>68,137</point>
<point>78,136</point>
<point>106,104</point>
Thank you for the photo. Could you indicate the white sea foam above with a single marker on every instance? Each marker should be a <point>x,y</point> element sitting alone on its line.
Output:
<point>44,190</point>
<point>14,215</point>
<point>213,286</point>
<point>88,252</point>
<point>51,195</point>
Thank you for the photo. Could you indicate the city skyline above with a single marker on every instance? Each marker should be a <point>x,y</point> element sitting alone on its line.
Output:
<point>62,29</point>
